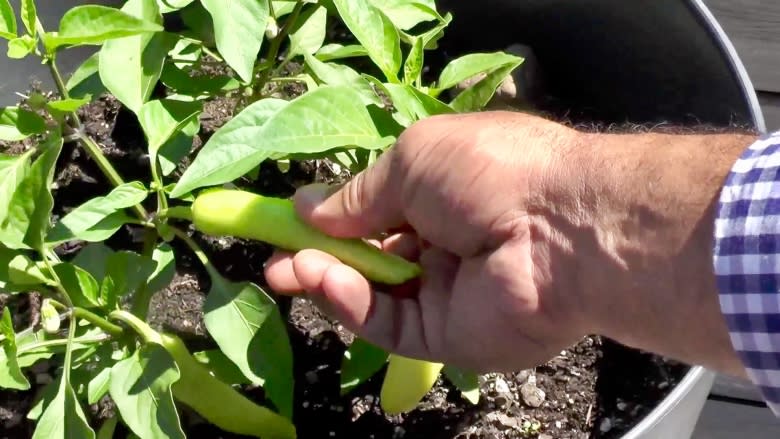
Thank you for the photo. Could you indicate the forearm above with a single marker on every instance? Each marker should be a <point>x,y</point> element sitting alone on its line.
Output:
<point>647,206</point>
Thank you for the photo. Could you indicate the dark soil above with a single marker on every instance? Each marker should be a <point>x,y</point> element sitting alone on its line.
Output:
<point>595,389</point>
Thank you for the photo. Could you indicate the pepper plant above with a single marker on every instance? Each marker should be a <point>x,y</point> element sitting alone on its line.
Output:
<point>360,94</point>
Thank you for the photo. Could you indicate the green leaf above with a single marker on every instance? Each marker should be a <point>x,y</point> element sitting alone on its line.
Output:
<point>19,124</point>
<point>470,65</point>
<point>181,82</point>
<point>323,119</point>
<point>29,16</point>
<point>24,271</point>
<point>85,80</point>
<point>140,385</point>
<point>130,67</point>
<point>95,24</point>
<point>27,219</point>
<point>414,104</point>
<point>163,118</point>
<point>86,217</point>
<point>466,382</point>
<point>238,29</point>
<point>339,74</point>
<point>93,258</point>
<point>375,32</point>
<point>68,105</point>
<point>165,268</point>
<point>63,417</point>
<point>360,362</point>
<point>334,51</point>
<point>20,47</point>
<point>224,159</point>
<point>13,171</point>
<point>107,428</point>
<point>414,63</point>
<point>177,147</point>
<point>98,386</point>
<point>248,327</point>
<point>478,95</point>
<point>406,14</point>
<point>167,6</point>
<point>185,53</point>
<point>79,284</point>
<point>7,21</point>
<point>125,272</point>
<point>221,367</point>
<point>11,376</point>
<point>308,34</point>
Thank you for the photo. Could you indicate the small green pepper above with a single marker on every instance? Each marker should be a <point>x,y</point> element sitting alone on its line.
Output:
<point>247,215</point>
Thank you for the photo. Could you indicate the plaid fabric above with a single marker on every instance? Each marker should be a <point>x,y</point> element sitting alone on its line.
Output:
<point>747,262</point>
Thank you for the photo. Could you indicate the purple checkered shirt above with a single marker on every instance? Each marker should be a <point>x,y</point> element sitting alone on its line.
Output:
<point>747,262</point>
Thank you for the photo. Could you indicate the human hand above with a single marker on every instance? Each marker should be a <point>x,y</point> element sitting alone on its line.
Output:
<point>531,235</point>
<point>461,185</point>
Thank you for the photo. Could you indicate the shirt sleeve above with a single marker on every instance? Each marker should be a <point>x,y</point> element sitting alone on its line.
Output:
<point>747,262</point>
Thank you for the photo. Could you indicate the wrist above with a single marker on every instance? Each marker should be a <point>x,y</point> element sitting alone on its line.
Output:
<point>638,217</point>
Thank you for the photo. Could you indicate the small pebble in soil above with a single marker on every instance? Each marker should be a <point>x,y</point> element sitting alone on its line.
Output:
<point>533,396</point>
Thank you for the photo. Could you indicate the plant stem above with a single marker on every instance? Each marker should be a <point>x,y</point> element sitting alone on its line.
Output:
<point>89,145</point>
<point>144,295</point>
<point>100,322</point>
<point>58,342</point>
<point>142,328</point>
<point>276,43</point>
<point>69,350</point>
<point>178,212</point>
<point>199,253</point>
<point>59,287</point>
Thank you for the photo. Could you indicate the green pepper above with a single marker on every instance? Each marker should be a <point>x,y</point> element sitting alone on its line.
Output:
<point>218,402</point>
<point>247,215</point>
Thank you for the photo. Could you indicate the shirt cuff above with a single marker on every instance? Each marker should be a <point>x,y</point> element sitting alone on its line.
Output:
<point>747,263</point>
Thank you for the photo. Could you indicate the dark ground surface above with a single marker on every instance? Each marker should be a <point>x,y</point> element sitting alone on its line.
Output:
<point>595,389</point>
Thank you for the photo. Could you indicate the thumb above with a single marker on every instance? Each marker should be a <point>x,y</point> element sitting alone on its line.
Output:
<point>368,204</point>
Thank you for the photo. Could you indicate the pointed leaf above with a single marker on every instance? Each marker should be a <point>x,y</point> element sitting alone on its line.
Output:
<point>63,417</point>
<point>29,16</point>
<point>19,124</point>
<point>178,147</point>
<point>466,382</point>
<point>470,65</point>
<point>309,33</point>
<point>339,74</point>
<point>246,324</point>
<point>85,217</point>
<point>95,24</point>
<point>225,156</point>
<point>14,169</point>
<point>11,376</point>
<point>130,67</point>
<point>238,29</point>
<point>27,219</point>
<point>24,271</point>
<point>68,105</point>
<point>163,118</point>
<point>320,120</point>
<point>85,80</point>
<point>414,104</point>
<point>98,386</point>
<point>165,268</point>
<point>375,32</point>
<point>181,82</point>
<point>141,387</point>
<point>360,362</point>
<point>406,14</point>
<point>167,6</point>
<point>334,51</point>
<point>20,47</point>
<point>7,21</point>
<point>79,284</point>
<point>414,62</point>
<point>478,95</point>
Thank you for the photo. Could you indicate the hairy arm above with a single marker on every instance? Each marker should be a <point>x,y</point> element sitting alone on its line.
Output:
<point>637,222</point>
